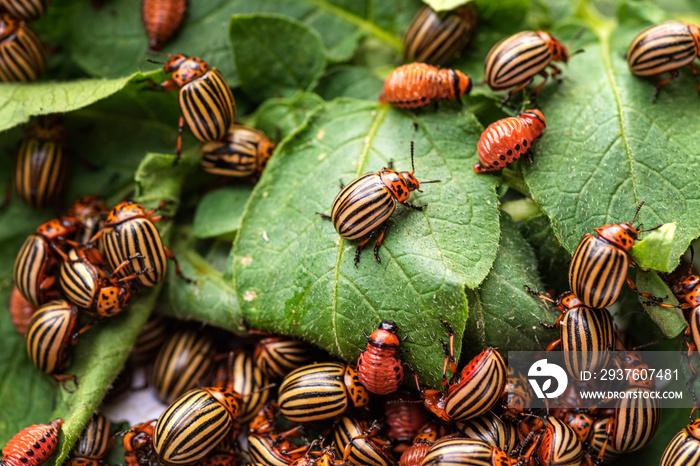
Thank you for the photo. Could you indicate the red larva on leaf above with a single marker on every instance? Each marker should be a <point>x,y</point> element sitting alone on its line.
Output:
<point>378,368</point>
<point>32,445</point>
<point>417,84</point>
<point>162,19</point>
<point>506,140</point>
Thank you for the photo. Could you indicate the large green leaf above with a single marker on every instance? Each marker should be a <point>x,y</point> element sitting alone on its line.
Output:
<point>607,147</point>
<point>111,41</point>
<point>18,102</point>
<point>278,117</point>
<point>315,290</point>
<point>501,313</point>
<point>275,55</point>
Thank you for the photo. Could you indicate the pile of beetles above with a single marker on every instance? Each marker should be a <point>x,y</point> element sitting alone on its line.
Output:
<point>264,402</point>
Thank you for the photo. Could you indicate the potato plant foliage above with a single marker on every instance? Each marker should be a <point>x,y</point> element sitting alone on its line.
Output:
<point>308,72</point>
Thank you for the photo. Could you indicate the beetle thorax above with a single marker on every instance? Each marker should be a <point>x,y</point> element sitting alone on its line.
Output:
<point>185,69</point>
<point>8,26</point>
<point>399,184</point>
<point>695,32</point>
<point>125,211</point>
<point>622,235</point>
<point>557,49</point>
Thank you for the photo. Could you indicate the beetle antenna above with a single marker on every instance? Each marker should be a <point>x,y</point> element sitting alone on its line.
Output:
<point>432,181</point>
<point>413,167</point>
<point>573,40</point>
<point>692,257</point>
<point>156,62</point>
<point>636,212</point>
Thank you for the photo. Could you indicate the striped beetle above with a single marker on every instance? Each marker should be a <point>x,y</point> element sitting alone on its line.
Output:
<point>516,60</point>
<point>278,356</point>
<point>41,166</point>
<point>684,448</point>
<point>206,101</point>
<point>93,444</point>
<point>418,84</point>
<point>466,452</point>
<point>320,391</point>
<point>506,140</point>
<point>26,10</point>
<point>21,52</point>
<point>475,390</point>
<point>493,430</point>
<point>241,375</point>
<point>194,424</point>
<point>151,337</point>
<point>428,434</point>
<point>183,363</point>
<point>587,335</point>
<point>363,207</point>
<point>378,367</point>
<point>244,151</point>
<point>32,445</point>
<point>598,437</point>
<point>87,285</point>
<point>50,336</point>
<point>662,48</point>
<point>130,235</point>
<point>273,450</point>
<point>554,444</point>
<point>437,38</point>
<point>36,263</point>
<point>599,265</point>
<point>161,20</point>
<point>358,445</point>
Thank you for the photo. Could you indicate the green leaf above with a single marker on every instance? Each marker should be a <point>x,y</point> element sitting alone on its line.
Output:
<point>427,257</point>
<point>219,212</point>
<point>654,251</point>
<point>349,81</point>
<point>501,313</point>
<point>18,102</point>
<point>101,352</point>
<point>275,55</point>
<point>284,116</point>
<point>490,11</point>
<point>607,146</point>
<point>670,321</point>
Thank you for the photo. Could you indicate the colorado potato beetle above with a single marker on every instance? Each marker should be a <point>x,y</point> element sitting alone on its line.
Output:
<point>271,451</point>
<point>684,448</point>
<point>41,166</point>
<point>475,391</point>
<point>21,53</point>
<point>419,84</point>
<point>138,445</point>
<point>32,445</point>
<point>91,211</point>
<point>662,48</point>
<point>378,367</point>
<point>35,266</point>
<point>244,151</point>
<point>241,375</point>
<point>93,444</point>
<point>427,435</point>
<point>358,445</point>
<point>26,10</point>
<point>493,430</point>
<point>21,311</point>
<point>599,265</point>
<point>130,235</point>
<point>161,20</point>
<point>363,207</point>
<point>320,391</point>
<point>555,444</point>
<point>50,336</point>
<point>278,356</point>
<point>194,424</point>
<point>437,38</point>
<point>88,286</point>
<point>183,363</point>
<point>206,101</point>
<point>404,418</point>
<point>506,140</point>
<point>466,452</point>
<point>516,60</point>
<point>152,336</point>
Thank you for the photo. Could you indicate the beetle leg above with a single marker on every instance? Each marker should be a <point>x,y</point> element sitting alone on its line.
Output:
<point>341,184</point>
<point>657,88</point>
<point>323,216</point>
<point>695,75</point>
<point>178,149</point>
<point>391,164</point>
<point>63,380</point>
<point>633,287</point>
<point>378,243</point>
<point>178,272</point>
<point>519,88</point>
<point>361,244</point>
<point>553,345</point>
<point>415,207</point>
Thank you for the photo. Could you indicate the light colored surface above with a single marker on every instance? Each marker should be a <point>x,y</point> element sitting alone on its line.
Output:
<point>138,406</point>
